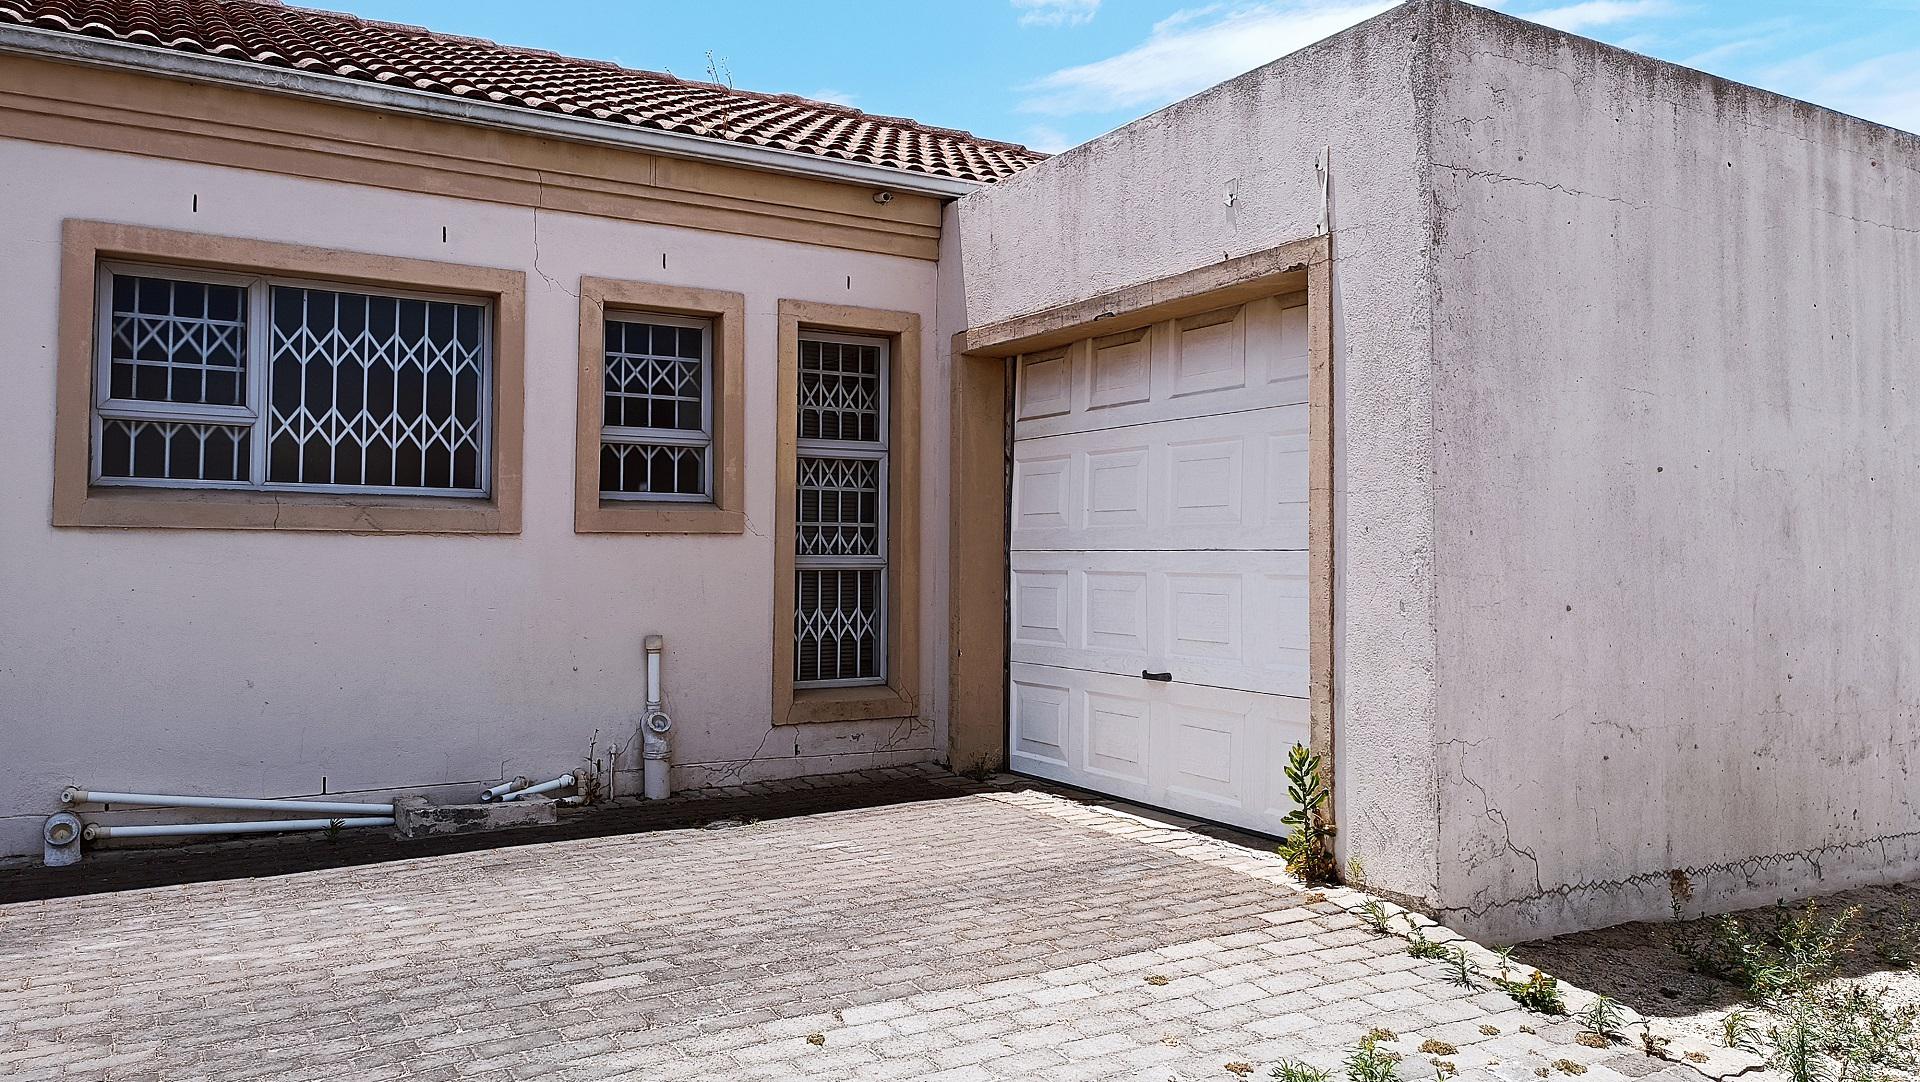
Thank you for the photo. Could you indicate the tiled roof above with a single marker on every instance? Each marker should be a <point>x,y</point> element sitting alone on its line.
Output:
<point>268,32</point>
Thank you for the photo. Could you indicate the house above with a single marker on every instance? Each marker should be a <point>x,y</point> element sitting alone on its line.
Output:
<point>1523,423</point>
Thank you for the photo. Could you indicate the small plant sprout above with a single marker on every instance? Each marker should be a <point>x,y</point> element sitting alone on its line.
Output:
<point>1738,1031</point>
<point>1459,966</point>
<point>1309,846</point>
<point>1368,1062</point>
<point>1603,1017</point>
<point>334,828</point>
<point>1506,961</point>
<point>1426,949</point>
<point>1538,993</point>
<point>1373,914</point>
<point>1293,1070</point>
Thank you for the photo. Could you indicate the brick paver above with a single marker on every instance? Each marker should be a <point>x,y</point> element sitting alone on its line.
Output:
<point>987,937</point>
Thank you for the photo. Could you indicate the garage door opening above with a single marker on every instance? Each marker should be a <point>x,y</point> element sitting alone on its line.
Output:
<point>1167,593</point>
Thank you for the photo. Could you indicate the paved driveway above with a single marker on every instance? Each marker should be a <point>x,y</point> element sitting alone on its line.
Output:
<point>1011,935</point>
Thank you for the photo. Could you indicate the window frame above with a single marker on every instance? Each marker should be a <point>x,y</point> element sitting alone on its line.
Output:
<point>880,451</point>
<point>80,502</point>
<point>901,695</point>
<point>259,288</point>
<point>723,406</point>
<point>664,437</point>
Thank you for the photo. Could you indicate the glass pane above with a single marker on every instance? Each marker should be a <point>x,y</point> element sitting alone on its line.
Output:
<point>839,391</point>
<point>838,507</point>
<point>837,625</point>
<point>375,391</point>
<point>654,376</point>
<point>640,469</point>
<point>166,450</point>
<point>173,340</point>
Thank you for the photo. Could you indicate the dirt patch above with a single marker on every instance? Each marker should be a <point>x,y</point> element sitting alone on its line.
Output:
<point>1644,965</point>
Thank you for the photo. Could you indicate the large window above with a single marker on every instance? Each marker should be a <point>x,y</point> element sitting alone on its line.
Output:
<point>241,381</point>
<point>656,437</point>
<point>840,513</point>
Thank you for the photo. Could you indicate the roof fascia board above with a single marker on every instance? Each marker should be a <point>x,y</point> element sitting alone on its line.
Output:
<point>153,60</point>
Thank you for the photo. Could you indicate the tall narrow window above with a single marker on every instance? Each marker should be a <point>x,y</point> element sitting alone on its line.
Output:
<point>840,544</point>
<point>214,380</point>
<point>656,436</point>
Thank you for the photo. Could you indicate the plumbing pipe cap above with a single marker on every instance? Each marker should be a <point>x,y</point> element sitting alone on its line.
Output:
<point>658,722</point>
<point>62,829</point>
<point>656,643</point>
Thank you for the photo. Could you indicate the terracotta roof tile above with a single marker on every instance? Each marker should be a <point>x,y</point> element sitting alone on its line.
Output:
<point>270,33</point>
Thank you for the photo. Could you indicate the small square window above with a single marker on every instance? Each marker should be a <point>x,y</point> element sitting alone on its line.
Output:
<point>656,437</point>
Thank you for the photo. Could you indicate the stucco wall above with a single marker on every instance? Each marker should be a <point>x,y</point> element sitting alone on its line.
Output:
<point>1148,201</point>
<point>263,662</point>
<point>1676,493</point>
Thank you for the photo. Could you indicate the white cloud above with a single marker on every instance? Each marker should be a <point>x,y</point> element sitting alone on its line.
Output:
<point>836,97</point>
<point>1047,139</point>
<point>1593,14</point>
<point>1056,12</point>
<point>1879,88</point>
<point>1193,49</point>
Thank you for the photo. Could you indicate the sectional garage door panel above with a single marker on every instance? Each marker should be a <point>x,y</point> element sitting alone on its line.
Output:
<point>1232,360</point>
<point>1208,617</point>
<point>1158,524</point>
<point>1237,481</point>
<point>1195,750</point>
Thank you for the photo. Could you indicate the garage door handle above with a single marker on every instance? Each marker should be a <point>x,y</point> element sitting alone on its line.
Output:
<point>1163,677</point>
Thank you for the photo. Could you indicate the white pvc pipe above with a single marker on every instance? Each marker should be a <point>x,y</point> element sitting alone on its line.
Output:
<point>267,826</point>
<point>504,788</point>
<point>655,748</point>
<point>561,782</point>
<point>225,803</point>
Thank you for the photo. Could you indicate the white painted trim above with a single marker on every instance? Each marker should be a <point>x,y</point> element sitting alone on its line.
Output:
<point>153,60</point>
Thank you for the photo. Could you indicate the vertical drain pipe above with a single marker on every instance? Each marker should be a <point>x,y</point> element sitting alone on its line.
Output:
<point>654,726</point>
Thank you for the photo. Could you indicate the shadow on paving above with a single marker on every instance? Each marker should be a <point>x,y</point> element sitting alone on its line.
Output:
<point>135,869</point>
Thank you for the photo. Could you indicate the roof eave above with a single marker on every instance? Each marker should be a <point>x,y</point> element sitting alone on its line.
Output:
<point>106,52</point>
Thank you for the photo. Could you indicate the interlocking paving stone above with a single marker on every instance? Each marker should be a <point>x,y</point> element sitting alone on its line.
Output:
<point>985,937</point>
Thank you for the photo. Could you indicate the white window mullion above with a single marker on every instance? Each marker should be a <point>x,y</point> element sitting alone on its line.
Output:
<point>259,369</point>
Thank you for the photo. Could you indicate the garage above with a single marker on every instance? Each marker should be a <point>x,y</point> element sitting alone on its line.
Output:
<point>1158,587</point>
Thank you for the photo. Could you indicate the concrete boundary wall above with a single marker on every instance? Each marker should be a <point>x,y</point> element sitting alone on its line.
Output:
<point>1675,488</point>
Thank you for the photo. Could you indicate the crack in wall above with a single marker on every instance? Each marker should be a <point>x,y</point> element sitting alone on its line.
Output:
<point>1750,866</point>
<point>1498,816</point>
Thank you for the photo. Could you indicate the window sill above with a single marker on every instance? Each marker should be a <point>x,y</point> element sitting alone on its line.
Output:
<point>635,516</point>
<point>157,508</point>
<point>877,703</point>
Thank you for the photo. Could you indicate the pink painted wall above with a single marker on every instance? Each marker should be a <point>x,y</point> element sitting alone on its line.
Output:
<point>260,663</point>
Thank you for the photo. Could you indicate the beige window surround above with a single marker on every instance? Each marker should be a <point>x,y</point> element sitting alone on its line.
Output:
<point>728,312</point>
<point>78,502</point>
<point>899,697</point>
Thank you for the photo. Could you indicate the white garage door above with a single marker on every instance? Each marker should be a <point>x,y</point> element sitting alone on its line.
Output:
<point>1159,526</point>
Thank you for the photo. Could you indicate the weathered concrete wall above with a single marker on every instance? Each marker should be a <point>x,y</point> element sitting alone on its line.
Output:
<point>1148,201</point>
<point>1676,489</point>
<point>262,662</point>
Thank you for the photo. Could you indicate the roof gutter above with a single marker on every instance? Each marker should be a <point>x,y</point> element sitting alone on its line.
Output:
<point>109,53</point>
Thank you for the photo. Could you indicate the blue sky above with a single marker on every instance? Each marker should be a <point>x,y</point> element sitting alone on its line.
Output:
<point>1053,73</point>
